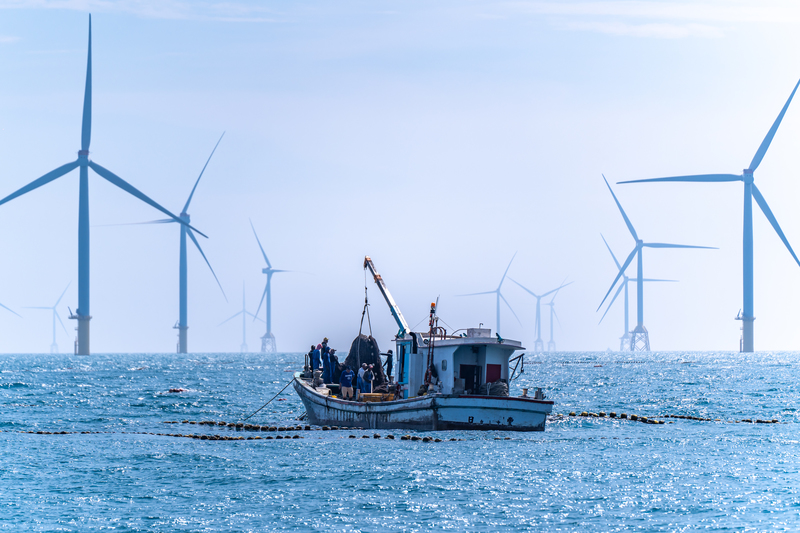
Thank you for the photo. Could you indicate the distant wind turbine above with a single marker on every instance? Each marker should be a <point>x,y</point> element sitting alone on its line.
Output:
<point>640,341</point>
<point>54,346</point>
<point>245,313</point>
<point>499,296</point>
<point>82,313</point>
<point>750,191</point>
<point>268,340</point>
<point>183,277</point>
<point>551,346</point>
<point>538,345</point>
<point>625,340</point>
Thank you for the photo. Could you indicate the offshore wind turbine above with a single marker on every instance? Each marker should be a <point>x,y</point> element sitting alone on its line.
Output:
<point>747,315</point>
<point>551,345</point>
<point>83,163</point>
<point>538,345</point>
<point>183,276</point>
<point>499,296</point>
<point>640,340</point>
<point>54,346</point>
<point>625,339</point>
<point>268,340</point>
<point>245,313</point>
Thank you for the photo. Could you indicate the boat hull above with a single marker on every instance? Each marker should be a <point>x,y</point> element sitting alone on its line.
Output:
<point>430,412</point>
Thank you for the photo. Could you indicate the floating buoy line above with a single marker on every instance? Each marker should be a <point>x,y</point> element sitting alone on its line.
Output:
<point>654,419</point>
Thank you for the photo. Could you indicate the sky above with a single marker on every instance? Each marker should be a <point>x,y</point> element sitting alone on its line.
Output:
<point>440,138</point>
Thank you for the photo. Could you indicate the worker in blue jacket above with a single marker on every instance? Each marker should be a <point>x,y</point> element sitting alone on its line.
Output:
<point>327,375</point>
<point>315,357</point>
<point>346,383</point>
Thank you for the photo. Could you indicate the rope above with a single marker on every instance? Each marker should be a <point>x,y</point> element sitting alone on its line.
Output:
<point>266,404</point>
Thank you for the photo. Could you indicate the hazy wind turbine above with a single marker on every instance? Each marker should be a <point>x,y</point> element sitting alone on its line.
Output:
<point>750,191</point>
<point>625,340</point>
<point>54,346</point>
<point>83,163</point>
<point>499,296</point>
<point>245,313</point>
<point>538,346</point>
<point>268,340</point>
<point>640,341</point>
<point>183,278</point>
<point>551,346</point>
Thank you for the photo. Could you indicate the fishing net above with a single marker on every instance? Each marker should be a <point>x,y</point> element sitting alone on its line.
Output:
<point>365,350</point>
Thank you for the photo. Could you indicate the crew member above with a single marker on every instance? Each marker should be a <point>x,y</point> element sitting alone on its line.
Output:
<point>369,376</point>
<point>360,381</point>
<point>327,375</point>
<point>315,357</point>
<point>346,383</point>
<point>389,364</point>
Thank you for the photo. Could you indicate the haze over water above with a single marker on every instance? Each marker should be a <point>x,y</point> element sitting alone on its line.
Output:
<point>579,475</point>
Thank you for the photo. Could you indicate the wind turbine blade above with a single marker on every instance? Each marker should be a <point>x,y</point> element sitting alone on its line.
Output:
<point>704,178</point>
<point>32,307</point>
<point>624,216</point>
<point>621,286</point>
<point>509,307</point>
<point>762,150</point>
<point>665,280</point>
<point>263,296</point>
<point>194,240</point>
<point>665,245</point>
<point>557,289</point>
<point>256,317</point>
<point>506,272</point>
<point>523,288</point>
<point>619,275</point>
<point>276,271</point>
<point>130,189</point>
<point>259,245</point>
<point>86,126</point>
<point>772,220</point>
<point>478,293</point>
<point>189,200</point>
<point>558,321</point>
<point>161,221</point>
<point>614,257</point>
<point>60,322</point>
<point>44,180</point>
<point>231,318</point>
<point>7,309</point>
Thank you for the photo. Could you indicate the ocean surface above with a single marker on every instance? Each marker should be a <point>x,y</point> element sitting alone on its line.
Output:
<point>581,474</point>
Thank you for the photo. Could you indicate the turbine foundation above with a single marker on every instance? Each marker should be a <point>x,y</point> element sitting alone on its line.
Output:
<point>625,342</point>
<point>268,343</point>
<point>83,335</point>
<point>747,344</point>
<point>640,340</point>
<point>183,339</point>
<point>551,346</point>
<point>538,346</point>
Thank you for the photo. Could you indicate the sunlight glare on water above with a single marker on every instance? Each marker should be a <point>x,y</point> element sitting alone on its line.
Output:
<point>581,474</point>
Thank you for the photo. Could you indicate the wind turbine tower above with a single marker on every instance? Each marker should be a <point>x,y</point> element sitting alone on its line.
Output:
<point>625,339</point>
<point>747,315</point>
<point>551,345</point>
<point>640,339</point>
<point>183,275</point>
<point>538,345</point>
<point>245,313</point>
<point>53,346</point>
<point>499,296</point>
<point>83,163</point>
<point>268,340</point>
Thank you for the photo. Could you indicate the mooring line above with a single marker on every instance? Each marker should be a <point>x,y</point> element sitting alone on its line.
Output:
<point>266,404</point>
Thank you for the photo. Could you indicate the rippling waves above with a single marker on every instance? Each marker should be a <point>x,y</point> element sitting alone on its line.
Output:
<point>581,474</point>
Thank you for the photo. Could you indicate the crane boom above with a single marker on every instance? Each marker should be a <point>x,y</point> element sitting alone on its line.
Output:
<point>398,316</point>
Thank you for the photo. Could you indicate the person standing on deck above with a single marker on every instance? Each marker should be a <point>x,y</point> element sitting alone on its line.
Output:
<point>389,364</point>
<point>360,382</point>
<point>346,383</point>
<point>315,358</point>
<point>369,376</point>
<point>327,374</point>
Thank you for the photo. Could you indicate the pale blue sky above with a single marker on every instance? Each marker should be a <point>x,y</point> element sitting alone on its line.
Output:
<point>439,138</point>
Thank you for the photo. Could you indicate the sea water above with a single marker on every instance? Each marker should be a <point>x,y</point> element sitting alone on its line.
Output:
<point>581,474</point>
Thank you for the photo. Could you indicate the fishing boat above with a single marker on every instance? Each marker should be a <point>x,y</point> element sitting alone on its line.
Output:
<point>455,381</point>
